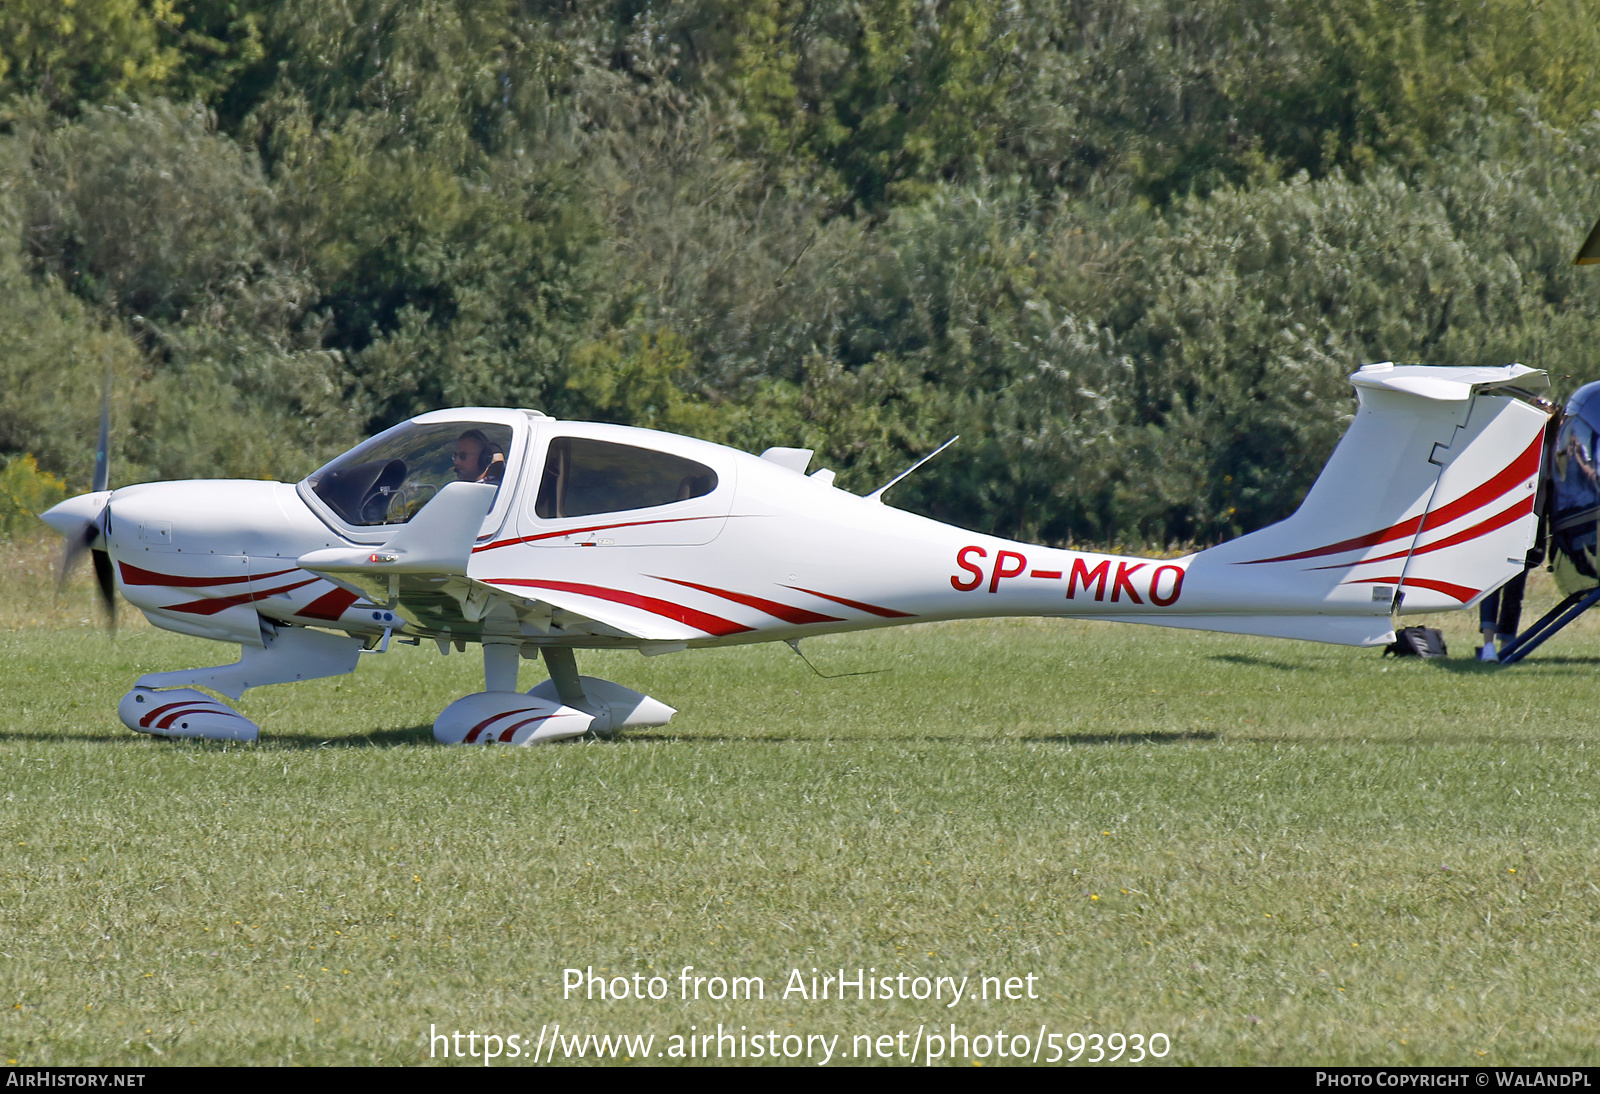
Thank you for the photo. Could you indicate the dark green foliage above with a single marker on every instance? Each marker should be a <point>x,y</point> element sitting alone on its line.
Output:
<point>1128,249</point>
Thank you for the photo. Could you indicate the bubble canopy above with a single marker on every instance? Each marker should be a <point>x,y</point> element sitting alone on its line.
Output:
<point>387,479</point>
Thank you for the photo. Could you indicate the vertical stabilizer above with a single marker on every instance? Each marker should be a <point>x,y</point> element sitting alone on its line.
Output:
<point>1426,505</point>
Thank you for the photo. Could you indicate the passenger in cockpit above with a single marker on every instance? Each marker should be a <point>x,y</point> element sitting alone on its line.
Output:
<point>476,458</point>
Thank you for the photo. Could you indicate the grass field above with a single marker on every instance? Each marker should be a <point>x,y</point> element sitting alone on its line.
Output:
<point>1271,852</point>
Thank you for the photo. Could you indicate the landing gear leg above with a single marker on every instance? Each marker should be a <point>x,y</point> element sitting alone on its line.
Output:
<point>563,666</point>
<point>614,707</point>
<point>500,663</point>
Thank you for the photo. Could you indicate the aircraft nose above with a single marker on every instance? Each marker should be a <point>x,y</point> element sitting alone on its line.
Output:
<point>73,517</point>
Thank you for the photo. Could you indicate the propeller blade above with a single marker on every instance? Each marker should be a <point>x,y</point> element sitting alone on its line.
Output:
<point>102,452</point>
<point>72,552</point>
<point>83,521</point>
<point>1589,253</point>
<point>107,581</point>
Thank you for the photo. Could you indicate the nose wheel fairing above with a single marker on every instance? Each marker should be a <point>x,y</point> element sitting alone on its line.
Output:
<point>184,712</point>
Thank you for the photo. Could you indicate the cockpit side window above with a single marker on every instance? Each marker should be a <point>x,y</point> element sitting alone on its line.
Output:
<point>387,479</point>
<point>583,477</point>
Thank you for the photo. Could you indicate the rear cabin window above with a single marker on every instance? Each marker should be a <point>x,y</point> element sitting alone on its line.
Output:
<point>583,477</point>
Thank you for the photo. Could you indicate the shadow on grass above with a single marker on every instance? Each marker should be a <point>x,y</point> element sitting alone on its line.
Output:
<point>1129,738</point>
<point>42,736</point>
<point>378,738</point>
<point>931,739</point>
<point>1478,668</point>
<point>1248,661</point>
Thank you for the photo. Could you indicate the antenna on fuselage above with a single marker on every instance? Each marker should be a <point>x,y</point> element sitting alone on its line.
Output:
<point>794,644</point>
<point>877,495</point>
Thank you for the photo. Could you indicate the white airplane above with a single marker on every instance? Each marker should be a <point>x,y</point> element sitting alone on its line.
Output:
<point>531,536</point>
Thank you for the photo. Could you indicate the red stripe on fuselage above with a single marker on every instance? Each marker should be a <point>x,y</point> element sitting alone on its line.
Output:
<point>329,606</point>
<point>1518,471</point>
<point>704,621</point>
<point>887,613</point>
<point>213,605</point>
<point>593,528</point>
<point>797,616</point>
<point>133,575</point>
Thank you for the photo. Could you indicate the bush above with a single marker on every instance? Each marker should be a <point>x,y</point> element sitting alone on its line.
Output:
<point>25,492</point>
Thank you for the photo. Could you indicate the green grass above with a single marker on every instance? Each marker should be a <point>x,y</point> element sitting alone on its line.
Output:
<point>1273,852</point>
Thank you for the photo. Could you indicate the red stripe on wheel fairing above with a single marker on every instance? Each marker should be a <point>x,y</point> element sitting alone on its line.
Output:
<point>185,711</point>
<point>472,734</point>
<point>156,712</point>
<point>505,738</point>
<point>703,621</point>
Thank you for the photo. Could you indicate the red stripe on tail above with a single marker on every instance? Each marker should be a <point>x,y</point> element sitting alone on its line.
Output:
<point>1515,473</point>
<point>1499,520</point>
<point>1460,592</point>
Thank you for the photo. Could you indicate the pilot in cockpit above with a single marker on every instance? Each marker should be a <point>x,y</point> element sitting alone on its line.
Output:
<point>477,459</point>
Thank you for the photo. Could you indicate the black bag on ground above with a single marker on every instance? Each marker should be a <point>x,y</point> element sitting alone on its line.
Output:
<point>1417,642</point>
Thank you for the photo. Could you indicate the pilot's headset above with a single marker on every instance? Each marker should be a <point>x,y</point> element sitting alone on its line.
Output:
<point>486,448</point>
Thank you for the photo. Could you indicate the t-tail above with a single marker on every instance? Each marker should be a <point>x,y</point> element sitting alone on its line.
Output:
<point>1428,504</point>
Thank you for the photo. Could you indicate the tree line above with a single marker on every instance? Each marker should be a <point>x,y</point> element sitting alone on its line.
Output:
<point>1128,249</point>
